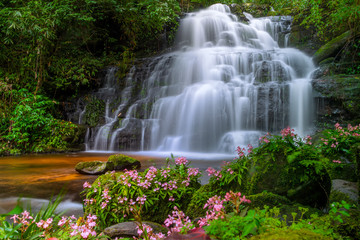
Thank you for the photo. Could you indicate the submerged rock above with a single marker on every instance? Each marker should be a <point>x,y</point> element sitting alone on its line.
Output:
<point>92,168</point>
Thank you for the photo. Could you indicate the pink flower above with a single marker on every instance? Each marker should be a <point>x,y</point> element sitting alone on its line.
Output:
<point>62,221</point>
<point>181,161</point>
<point>218,207</point>
<point>86,185</point>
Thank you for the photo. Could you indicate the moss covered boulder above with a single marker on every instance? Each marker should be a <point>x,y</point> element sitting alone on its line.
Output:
<point>332,48</point>
<point>297,173</point>
<point>122,162</point>
<point>92,168</point>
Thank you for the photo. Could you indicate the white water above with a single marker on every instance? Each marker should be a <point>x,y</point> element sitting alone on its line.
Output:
<point>229,83</point>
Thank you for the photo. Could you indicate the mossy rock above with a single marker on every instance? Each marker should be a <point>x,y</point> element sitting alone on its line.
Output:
<point>331,48</point>
<point>289,173</point>
<point>285,206</point>
<point>122,162</point>
<point>268,199</point>
<point>92,168</point>
<point>344,191</point>
<point>290,234</point>
<point>95,111</point>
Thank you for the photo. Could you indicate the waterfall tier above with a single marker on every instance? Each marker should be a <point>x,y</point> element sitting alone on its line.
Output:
<point>227,84</point>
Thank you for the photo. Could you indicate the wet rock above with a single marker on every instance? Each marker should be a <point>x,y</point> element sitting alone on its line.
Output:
<point>129,229</point>
<point>121,162</point>
<point>304,39</point>
<point>268,71</point>
<point>349,189</point>
<point>92,168</point>
<point>338,98</point>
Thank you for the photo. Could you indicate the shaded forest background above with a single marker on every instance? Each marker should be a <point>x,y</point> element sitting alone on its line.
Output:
<point>52,51</point>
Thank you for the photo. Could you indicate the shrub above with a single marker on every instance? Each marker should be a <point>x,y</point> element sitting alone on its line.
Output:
<point>117,197</point>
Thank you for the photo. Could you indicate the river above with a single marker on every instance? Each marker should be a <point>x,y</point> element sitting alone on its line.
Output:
<point>38,177</point>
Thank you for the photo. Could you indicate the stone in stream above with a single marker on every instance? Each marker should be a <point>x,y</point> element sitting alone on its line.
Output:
<point>129,229</point>
<point>92,168</point>
<point>115,162</point>
<point>122,162</point>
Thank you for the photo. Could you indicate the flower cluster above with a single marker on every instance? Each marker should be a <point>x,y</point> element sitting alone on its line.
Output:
<point>338,142</point>
<point>265,139</point>
<point>181,161</point>
<point>307,140</point>
<point>66,227</point>
<point>178,222</point>
<point>216,206</point>
<point>212,172</point>
<point>242,151</point>
<point>131,193</point>
<point>146,232</point>
<point>82,227</point>
<point>287,132</point>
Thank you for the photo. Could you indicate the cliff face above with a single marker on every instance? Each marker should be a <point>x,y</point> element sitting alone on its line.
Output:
<point>336,81</point>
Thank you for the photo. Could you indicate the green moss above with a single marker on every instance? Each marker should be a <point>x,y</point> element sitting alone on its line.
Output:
<point>268,199</point>
<point>121,162</point>
<point>337,196</point>
<point>280,168</point>
<point>332,47</point>
<point>196,206</point>
<point>95,110</point>
<point>350,228</point>
<point>289,234</point>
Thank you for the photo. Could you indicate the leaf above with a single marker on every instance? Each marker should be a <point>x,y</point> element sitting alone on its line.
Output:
<point>16,210</point>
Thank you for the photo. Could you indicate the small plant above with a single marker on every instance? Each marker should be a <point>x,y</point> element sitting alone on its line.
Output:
<point>46,224</point>
<point>115,197</point>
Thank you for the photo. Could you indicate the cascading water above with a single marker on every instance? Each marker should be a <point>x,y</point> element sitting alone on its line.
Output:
<point>228,84</point>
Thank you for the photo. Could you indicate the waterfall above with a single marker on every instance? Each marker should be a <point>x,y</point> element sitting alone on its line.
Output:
<point>228,83</point>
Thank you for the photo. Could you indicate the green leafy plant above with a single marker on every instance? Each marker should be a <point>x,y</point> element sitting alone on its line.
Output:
<point>33,128</point>
<point>115,197</point>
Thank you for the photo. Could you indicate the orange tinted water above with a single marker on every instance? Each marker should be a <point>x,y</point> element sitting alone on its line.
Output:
<point>44,175</point>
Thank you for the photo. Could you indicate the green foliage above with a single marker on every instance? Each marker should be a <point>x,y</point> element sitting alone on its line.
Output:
<point>118,197</point>
<point>288,165</point>
<point>330,18</point>
<point>95,109</point>
<point>267,224</point>
<point>337,143</point>
<point>31,128</point>
<point>25,227</point>
<point>236,227</point>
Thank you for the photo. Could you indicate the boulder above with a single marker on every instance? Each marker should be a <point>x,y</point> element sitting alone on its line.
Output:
<point>344,190</point>
<point>331,48</point>
<point>299,174</point>
<point>92,168</point>
<point>129,229</point>
<point>121,162</point>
